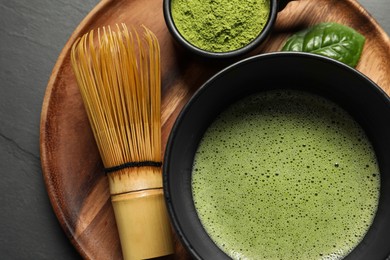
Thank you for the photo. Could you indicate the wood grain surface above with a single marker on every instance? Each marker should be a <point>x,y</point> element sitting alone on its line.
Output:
<point>72,169</point>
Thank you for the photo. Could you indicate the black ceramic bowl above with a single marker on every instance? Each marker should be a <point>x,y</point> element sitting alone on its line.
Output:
<point>275,7</point>
<point>354,92</point>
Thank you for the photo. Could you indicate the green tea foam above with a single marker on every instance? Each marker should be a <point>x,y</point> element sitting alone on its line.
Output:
<point>285,175</point>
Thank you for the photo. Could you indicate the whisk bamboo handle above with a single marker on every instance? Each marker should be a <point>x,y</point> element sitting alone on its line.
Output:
<point>143,224</point>
<point>134,179</point>
<point>140,212</point>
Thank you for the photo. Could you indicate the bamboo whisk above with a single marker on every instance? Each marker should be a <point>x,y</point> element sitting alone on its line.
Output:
<point>118,74</point>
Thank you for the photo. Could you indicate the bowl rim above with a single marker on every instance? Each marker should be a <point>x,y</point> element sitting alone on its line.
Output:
<point>271,55</point>
<point>260,38</point>
<point>183,113</point>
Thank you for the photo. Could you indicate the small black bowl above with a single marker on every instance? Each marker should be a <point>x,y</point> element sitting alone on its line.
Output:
<point>345,86</point>
<point>275,7</point>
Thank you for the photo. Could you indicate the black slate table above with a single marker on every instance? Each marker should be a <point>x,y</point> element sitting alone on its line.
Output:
<point>32,34</point>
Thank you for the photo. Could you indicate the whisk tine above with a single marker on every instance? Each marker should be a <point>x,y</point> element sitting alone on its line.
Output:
<point>124,73</point>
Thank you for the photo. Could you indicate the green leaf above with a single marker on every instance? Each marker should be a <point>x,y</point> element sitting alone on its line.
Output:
<point>333,40</point>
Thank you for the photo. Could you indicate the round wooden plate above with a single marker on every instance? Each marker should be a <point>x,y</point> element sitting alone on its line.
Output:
<point>71,165</point>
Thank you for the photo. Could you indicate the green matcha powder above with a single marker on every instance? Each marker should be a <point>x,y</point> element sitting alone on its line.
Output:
<point>220,25</point>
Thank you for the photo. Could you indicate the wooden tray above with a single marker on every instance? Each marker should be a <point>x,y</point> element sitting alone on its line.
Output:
<point>72,169</point>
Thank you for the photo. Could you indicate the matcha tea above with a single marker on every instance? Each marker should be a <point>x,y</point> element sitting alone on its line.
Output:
<point>285,175</point>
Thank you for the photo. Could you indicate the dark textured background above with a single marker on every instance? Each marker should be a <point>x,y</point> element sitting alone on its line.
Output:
<point>32,34</point>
